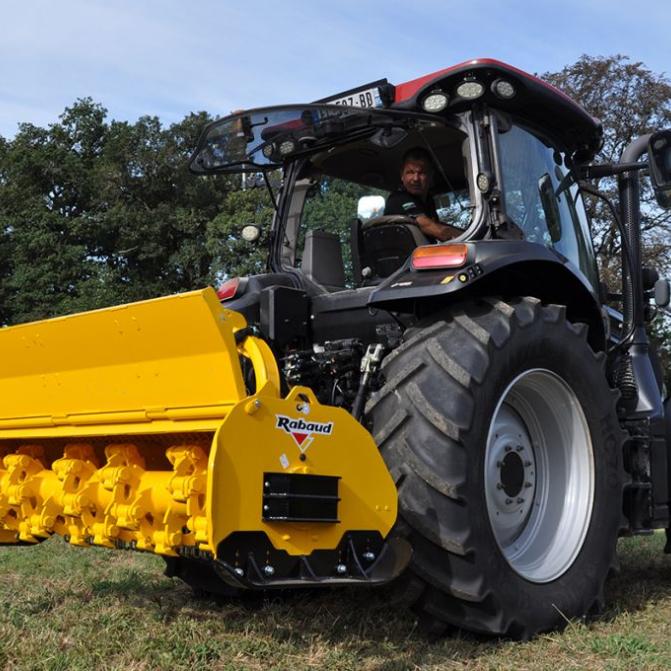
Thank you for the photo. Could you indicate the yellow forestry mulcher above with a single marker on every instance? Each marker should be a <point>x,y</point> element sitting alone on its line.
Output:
<point>115,434</point>
<point>469,417</point>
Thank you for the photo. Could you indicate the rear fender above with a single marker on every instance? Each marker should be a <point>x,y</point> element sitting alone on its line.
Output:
<point>497,267</point>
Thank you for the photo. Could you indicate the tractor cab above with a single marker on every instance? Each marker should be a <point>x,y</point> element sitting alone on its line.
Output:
<point>340,165</point>
<point>502,145</point>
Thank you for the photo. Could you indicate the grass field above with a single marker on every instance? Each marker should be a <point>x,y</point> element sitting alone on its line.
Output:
<point>64,608</point>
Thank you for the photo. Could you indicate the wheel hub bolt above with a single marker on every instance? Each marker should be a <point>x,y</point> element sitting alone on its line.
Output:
<point>499,485</point>
<point>239,571</point>
<point>527,485</point>
<point>519,448</point>
<point>508,501</point>
<point>368,556</point>
<point>507,448</point>
<point>520,500</point>
<point>527,464</point>
<point>341,569</point>
<point>269,570</point>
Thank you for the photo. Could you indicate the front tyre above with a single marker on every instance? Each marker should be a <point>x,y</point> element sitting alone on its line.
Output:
<point>499,427</point>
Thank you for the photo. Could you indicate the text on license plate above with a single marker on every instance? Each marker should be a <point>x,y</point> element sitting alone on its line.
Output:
<point>366,98</point>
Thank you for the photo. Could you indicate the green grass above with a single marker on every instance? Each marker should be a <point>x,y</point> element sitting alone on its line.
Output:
<point>65,608</point>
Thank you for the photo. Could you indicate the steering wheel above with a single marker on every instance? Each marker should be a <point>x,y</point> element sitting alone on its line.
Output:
<point>377,223</point>
<point>390,219</point>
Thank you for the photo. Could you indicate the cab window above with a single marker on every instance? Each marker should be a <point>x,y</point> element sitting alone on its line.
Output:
<point>532,172</point>
<point>333,205</point>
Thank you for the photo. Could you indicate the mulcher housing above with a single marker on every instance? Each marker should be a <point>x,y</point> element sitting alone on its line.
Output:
<point>518,423</point>
<point>115,435</point>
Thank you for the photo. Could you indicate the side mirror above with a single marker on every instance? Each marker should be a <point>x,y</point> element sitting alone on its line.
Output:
<point>659,161</point>
<point>662,293</point>
<point>550,207</point>
<point>370,207</point>
<point>250,233</point>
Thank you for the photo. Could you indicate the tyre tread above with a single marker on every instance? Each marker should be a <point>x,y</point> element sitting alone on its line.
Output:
<point>445,587</point>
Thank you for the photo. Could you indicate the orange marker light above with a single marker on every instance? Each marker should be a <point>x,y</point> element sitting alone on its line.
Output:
<point>228,289</point>
<point>439,256</point>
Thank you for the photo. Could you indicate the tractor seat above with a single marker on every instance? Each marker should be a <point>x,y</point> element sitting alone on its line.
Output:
<point>383,245</point>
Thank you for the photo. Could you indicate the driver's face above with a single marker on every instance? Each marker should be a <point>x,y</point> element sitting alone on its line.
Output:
<point>416,178</point>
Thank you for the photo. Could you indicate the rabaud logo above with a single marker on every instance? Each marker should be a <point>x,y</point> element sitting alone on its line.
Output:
<point>302,431</point>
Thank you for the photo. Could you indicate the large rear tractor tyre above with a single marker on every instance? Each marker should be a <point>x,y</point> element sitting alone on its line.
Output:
<point>498,425</point>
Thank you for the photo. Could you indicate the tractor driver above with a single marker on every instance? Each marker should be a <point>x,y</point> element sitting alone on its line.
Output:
<point>413,199</point>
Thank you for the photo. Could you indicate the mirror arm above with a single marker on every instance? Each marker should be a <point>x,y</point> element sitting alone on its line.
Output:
<point>273,200</point>
<point>609,169</point>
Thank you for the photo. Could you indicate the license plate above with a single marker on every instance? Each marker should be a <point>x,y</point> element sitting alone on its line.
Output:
<point>366,96</point>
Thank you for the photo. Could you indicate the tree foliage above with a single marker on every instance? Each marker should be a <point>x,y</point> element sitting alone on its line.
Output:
<point>630,101</point>
<point>230,255</point>
<point>96,212</point>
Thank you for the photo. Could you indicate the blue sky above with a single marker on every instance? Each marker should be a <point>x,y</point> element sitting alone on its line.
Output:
<point>168,58</point>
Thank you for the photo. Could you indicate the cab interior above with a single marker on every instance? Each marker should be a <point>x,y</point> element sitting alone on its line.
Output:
<point>328,234</point>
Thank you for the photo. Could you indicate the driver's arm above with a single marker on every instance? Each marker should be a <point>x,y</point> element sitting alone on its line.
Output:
<point>400,203</point>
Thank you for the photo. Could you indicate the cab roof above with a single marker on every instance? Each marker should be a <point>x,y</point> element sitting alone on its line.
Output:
<point>265,138</point>
<point>540,104</point>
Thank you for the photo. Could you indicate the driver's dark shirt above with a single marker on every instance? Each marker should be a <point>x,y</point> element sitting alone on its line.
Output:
<point>402,202</point>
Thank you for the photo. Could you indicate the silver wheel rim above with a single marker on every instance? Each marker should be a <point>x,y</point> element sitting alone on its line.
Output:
<point>539,475</point>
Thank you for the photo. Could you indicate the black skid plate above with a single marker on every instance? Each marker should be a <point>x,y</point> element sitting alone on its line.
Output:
<point>248,560</point>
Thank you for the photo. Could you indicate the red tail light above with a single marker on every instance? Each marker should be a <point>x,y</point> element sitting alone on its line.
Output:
<point>439,256</point>
<point>228,289</point>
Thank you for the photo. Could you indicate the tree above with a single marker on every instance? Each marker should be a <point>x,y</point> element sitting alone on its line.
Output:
<point>46,186</point>
<point>94,213</point>
<point>630,101</point>
<point>231,255</point>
